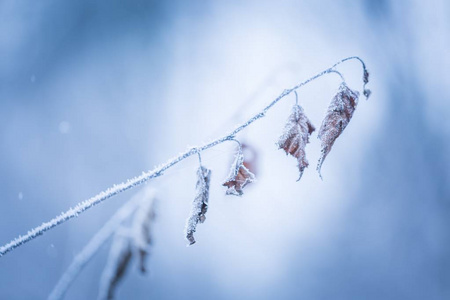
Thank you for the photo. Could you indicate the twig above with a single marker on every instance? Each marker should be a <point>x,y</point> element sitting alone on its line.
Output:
<point>158,171</point>
<point>94,245</point>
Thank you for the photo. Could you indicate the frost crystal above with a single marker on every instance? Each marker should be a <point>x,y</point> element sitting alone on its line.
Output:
<point>200,203</point>
<point>239,176</point>
<point>295,137</point>
<point>339,113</point>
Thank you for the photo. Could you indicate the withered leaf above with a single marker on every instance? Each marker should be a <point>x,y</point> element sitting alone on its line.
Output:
<point>339,113</point>
<point>239,176</point>
<point>128,241</point>
<point>142,224</point>
<point>200,203</point>
<point>295,137</point>
<point>118,261</point>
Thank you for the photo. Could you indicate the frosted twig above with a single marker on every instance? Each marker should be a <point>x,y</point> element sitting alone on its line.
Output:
<point>158,171</point>
<point>94,245</point>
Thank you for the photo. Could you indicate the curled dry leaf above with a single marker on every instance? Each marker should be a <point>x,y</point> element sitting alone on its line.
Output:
<point>239,176</point>
<point>142,224</point>
<point>339,113</point>
<point>200,203</point>
<point>295,137</point>
<point>118,261</point>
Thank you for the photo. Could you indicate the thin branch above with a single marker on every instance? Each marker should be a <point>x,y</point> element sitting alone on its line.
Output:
<point>94,245</point>
<point>156,172</point>
<point>339,73</point>
<point>366,92</point>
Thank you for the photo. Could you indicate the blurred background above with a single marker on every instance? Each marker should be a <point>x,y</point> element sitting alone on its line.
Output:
<point>93,93</point>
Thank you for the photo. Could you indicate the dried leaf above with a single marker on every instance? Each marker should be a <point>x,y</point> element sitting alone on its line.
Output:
<point>339,113</point>
<point>295,137</point>
<point>118,261</point>
<point>200,203</point>
<point>142,223</point>
<point>239,176</point>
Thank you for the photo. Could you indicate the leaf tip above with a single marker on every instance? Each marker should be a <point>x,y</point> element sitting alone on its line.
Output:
<point>191,239</point>
<point>319,166</point>
<point>300,176</point>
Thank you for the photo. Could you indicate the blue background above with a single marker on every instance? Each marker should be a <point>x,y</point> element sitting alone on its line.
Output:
<point>95,92</point>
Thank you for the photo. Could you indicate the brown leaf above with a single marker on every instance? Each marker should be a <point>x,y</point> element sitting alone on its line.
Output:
<point>200,203</point>
<point>295,137</point>
<point>239,176</point>
<point>339,113</point>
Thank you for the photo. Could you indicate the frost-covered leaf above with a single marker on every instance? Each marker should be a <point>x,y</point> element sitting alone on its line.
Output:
<point>339,113</point>
<point>118,261</point>
<point>200,203</point>
<point>295,137</point>
<point>142,224</point>
<point>239,176</point>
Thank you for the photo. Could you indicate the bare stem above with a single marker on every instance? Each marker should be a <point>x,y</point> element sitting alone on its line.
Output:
<point>157,171</point>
